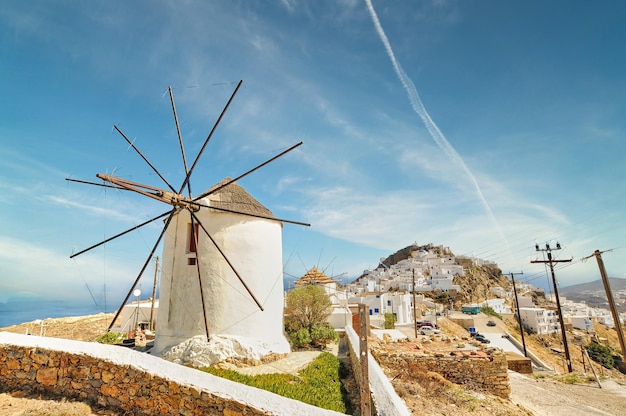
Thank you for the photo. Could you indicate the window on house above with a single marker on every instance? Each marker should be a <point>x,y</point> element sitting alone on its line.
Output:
<point>191,241</point>
<point>376,310</point>
<point>388,303</point>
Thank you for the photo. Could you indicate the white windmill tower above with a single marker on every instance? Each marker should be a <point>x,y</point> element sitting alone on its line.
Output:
<point>221,279</point>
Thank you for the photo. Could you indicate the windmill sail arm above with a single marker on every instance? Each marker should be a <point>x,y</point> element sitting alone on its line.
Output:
<point>176,200</point>
<point>248,172</point>
<point>131,144</point>
<point>266,217</point>
<point>104,185</point>
<point>119,235</point>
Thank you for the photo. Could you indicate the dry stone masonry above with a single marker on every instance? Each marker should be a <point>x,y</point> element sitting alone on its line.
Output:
<point>483,372</point>
<point>130,382</point>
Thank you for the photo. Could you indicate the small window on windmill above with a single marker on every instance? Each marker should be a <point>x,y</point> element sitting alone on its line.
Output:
<point>192,238</point>
<point>192,243</point>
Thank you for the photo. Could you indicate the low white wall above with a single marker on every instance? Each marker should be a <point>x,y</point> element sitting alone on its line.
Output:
<point>168,378</point>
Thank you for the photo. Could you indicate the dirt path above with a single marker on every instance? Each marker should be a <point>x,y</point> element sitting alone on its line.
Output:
<point>547,397</point>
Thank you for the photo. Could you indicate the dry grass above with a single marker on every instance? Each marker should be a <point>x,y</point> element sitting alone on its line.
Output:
<point>17,405</point>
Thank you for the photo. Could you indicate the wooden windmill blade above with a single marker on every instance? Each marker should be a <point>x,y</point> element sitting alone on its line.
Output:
<point>155,170</point>
<point>120,234</point>
<point>195,162</point>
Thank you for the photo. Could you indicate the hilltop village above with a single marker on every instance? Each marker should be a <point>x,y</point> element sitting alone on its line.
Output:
<point>442,283</point>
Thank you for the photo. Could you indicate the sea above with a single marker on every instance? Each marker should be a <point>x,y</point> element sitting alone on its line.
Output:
<point>16,312</point>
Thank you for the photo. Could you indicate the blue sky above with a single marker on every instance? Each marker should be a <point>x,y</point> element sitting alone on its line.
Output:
<point>485,126</point>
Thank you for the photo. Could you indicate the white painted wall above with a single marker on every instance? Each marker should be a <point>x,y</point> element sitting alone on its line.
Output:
<point>254,247</point>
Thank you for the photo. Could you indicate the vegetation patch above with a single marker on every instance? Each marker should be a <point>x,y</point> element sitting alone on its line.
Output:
<point>390,321</point>
<point>111,338</point>
<point>305,318</point>
<point>601,354</point>
<point>319,384</point>
<point>488,310</point>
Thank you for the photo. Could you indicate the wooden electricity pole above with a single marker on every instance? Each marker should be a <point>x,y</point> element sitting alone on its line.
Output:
<point>154,288</point>
<point>364,385</point>
<point>551,262</point>
<point>609,296</point>
<point>414,307</point>
<point>519,318</point>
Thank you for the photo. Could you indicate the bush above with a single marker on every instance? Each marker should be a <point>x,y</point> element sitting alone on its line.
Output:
<point>390,321</point>
<point>299,338</point>
<point>305,317</point>
<point>488,310</point>
<point>318,384</point>
<point>110,338</point>
<point>601,354</point>
<point>323,334</point>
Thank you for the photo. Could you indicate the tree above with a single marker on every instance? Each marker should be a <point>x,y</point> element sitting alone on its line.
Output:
<point>305,317</point>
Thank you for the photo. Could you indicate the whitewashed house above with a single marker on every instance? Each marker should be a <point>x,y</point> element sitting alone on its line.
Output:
<point>539,321</point>
<point>498,305</point>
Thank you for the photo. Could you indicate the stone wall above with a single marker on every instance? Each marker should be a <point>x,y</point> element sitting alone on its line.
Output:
<point>519,363</point>
<point>484,372</point>
<point>130,382</point>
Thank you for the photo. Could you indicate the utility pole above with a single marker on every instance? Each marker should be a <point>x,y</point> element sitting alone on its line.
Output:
<point>551,262</point>
<point>364,383</point>
<point>414,307</point>
<point>609,296</point>
<point>154,288</point>
<point>519,318</point>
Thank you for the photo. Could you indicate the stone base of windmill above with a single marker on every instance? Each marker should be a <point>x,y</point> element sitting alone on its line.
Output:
<point>197,352</point>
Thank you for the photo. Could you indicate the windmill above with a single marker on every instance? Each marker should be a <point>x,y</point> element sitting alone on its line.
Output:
<point>202,236</point>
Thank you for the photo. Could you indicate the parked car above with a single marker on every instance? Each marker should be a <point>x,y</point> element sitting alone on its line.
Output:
<point>491,323</point>
<point>429,330</point>
<point>420,324</point>
<point>482,339</point>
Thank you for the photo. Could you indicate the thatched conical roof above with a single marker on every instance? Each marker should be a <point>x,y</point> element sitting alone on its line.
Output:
<point>236,198</point>
<point>314,276</point>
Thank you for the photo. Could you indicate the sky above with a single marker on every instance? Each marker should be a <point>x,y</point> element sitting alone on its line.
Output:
<point>486,126</point>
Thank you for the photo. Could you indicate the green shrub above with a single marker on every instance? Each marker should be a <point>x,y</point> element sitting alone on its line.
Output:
<point>319,384</point>
<point>601,354</point>
<point>110,338</point>
<point>390,321</point>
<point>299,338</point>
<point>488,310</point>
<point>323,334</point>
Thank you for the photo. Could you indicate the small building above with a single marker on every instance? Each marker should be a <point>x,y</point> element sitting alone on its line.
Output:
<point>581,322</point>
<point>540,321</point>
<point>136,314</point>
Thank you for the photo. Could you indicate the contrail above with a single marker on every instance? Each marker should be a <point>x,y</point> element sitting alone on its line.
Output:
<point>432,128</point>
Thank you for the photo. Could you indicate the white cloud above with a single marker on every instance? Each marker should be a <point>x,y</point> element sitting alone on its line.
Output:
<point>32,270</point>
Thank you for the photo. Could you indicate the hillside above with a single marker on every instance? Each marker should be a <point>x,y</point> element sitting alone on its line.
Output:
<point>594,295</point>
<point>595,286</point>
<point>475,285</point>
